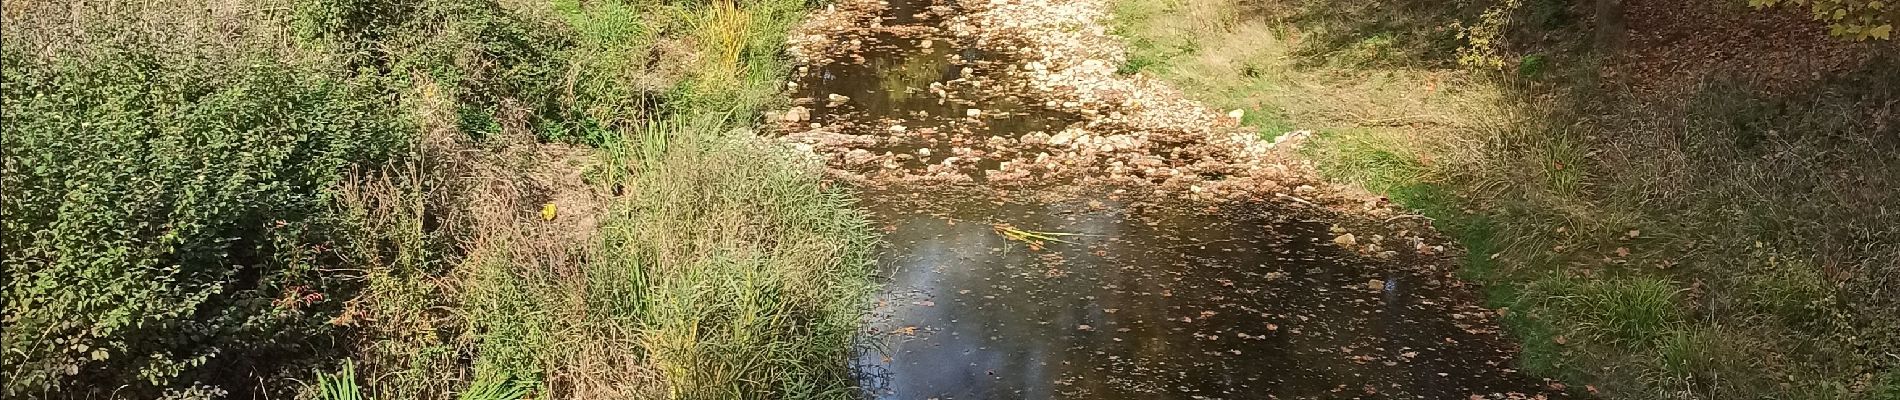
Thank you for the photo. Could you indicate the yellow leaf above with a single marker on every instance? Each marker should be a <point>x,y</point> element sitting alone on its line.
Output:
<point>547,212</point>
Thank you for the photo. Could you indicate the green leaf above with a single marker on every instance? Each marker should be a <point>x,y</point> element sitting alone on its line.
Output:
<point>1882,32</point>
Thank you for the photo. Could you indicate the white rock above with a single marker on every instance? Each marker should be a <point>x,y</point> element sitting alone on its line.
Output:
<point>797,114</point>
<point>1061,138</point>
<point>858,156</point>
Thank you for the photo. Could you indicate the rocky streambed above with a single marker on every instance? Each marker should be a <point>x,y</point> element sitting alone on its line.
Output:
<point>1057,229</point>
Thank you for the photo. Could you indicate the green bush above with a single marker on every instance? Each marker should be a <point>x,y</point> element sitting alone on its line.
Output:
<point>1857,19</point>
<point>567,77</point>
<point>165,211</point>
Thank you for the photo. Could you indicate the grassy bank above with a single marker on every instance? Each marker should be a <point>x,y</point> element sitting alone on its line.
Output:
<point>454,199</point>
<point>1648,232</point>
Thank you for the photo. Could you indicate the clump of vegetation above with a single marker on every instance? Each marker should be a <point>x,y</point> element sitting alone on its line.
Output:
<point>225,203</point>
<point>1721,237</point>
<point>709,267</point>
<point>1858,19</point>
<point>713,267</point>
<point>165,215</point>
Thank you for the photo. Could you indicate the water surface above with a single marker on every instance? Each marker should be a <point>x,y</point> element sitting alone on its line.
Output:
<point>1141,298</point>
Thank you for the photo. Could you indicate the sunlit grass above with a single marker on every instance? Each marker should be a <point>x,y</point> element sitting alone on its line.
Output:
<point>739,261</point>
<point>721,268</point>
<point>1629,237</point>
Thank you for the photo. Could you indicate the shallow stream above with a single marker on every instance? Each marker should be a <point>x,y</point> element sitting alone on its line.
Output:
<point>1126,296</point>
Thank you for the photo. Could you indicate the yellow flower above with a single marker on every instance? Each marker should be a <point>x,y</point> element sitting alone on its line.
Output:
<point>547,212</point>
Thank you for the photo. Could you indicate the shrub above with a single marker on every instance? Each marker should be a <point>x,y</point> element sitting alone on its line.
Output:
<point>1857,19</point>
<point>568,79</point>
<point>165,211</point>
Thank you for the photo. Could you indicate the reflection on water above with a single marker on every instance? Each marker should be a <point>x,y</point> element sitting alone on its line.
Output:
<point>1150,301</point>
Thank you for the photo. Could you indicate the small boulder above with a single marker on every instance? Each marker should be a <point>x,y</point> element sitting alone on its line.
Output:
<point>797,114</point>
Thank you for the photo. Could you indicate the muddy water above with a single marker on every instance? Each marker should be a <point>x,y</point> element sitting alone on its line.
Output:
<point>1138,297</point>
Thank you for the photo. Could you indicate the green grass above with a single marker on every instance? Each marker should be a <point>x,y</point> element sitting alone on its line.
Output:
<point>738,263</point>
<point>404,249</point>
<point>723,271</point>
<point>1631,312</point>
<point>1716,244</point>
<point>340,385</point>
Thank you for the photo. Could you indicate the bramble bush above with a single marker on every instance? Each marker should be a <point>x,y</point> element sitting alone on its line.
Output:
<point>166,212</point>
